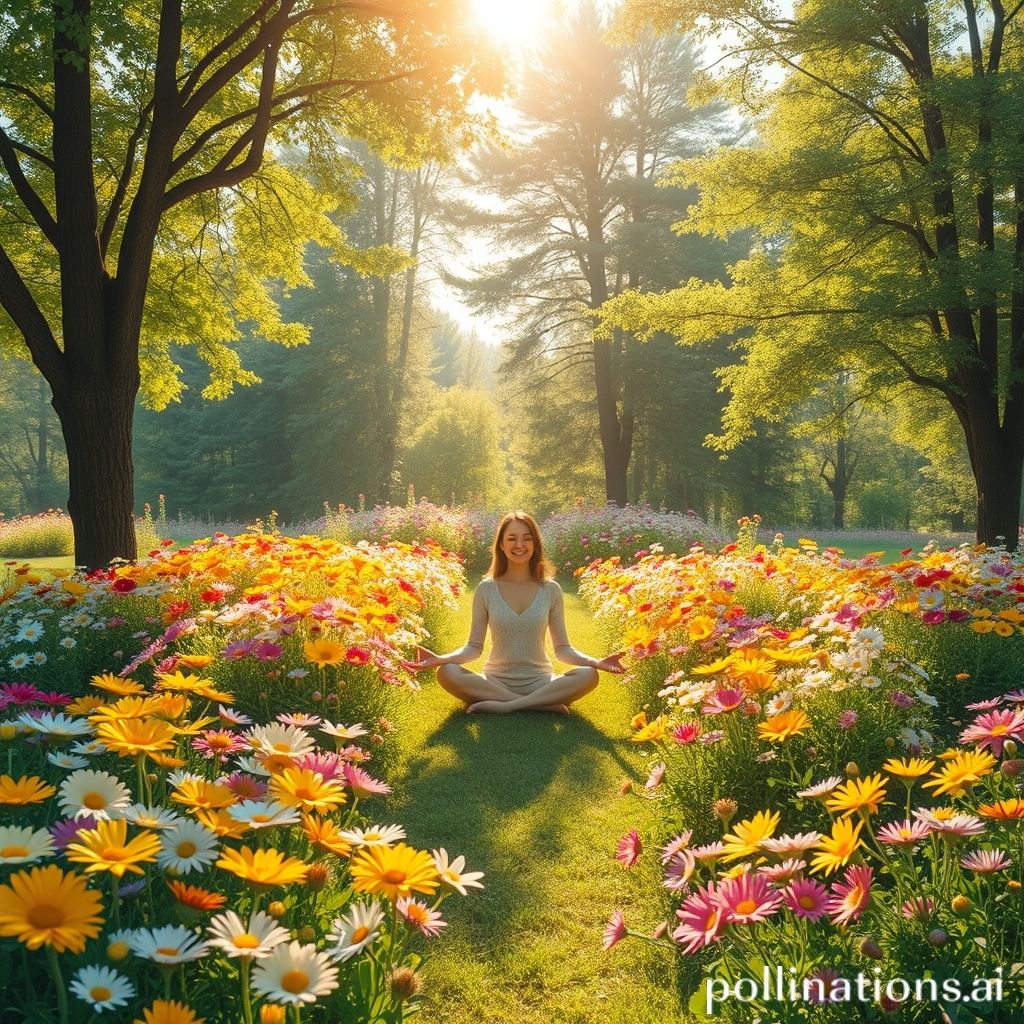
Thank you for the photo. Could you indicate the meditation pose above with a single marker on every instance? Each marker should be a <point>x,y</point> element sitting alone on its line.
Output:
<point>520,603</point>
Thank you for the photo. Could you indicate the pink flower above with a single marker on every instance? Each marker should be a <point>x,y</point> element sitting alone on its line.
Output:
<point>219,743</point>
<point>629,848</point>
<point>985,862</point>
<point>984,705</point>
<point>919,908</point>
<point>702,920</point>
<point>851,896</point>
<point>657,774</point>
<point>806,898</point>
<point>675,846</point>
<point>267,651</point>
<point>994,729</point>
<point>901,699</point>
<point>245,786</point>
<point>848,719</point>
<point>724,701</point>
<point>686,733</point>
<point>788,869</point>
<point>959,825</point>
<point>417,914</point>
<point>820,986</point>
<point>679,870</point>
<point>903,833</point>
<point>362,783</point>
<point>20,693</point>
<point>327,764</point>
<point>748,899</point>
<point>615,930</point>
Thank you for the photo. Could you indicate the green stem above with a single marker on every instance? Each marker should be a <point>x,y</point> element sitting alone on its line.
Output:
<point>58,980</point>
<point>243,974</point>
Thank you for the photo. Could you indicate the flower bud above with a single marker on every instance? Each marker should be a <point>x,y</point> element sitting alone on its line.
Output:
<point>660,930</point>
<point>890,742</point>
<point>118,950</point>
<point>307,933</point>
<point>405,983</point>
<point>317,696</point>
<point>869,947</point>
<point>938,937</point>
<point>961,905</point>
<point>318,875</point>
<point>724,810</point>
<point>852,771</point>
<point>1010,748</point>
<point>1012,767</point>
<point>276,909</point>
<point>272,1013</point>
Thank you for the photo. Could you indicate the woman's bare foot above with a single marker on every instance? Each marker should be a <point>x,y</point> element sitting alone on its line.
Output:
<point>492,707</point>
<point>555,709</point>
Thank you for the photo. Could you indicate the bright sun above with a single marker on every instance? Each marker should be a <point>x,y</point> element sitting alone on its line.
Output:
<point>515,24</point>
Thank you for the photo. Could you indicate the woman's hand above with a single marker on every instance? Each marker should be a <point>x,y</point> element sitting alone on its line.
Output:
<point>612,663</point>
<point>424,659</point>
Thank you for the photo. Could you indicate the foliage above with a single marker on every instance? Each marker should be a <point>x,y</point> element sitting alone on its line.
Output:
<point>584,535</point>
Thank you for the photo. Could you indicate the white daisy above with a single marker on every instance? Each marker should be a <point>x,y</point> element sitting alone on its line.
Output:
<point>118,947</point>
<point>186,847</point>
<point>157,818</point>
<point>68,643</point>
<point>280,740</point>
<point>344,732</point>
<point>375,835</point>
<point>779,703</point>
<point>59,725</point>
<point>170,944</point>
<point>256,939</point>
<point>102,988</point>
<point>88,747</point>
<point>870,682</point>
<point>39,658</point>
<point>176,778</point>
<point>22,845</point>
<point>294,974</point>
<point>19,661</point>
<point>452,873</point>
<point>820,789</point>
<point>925,698</point>
<point>30,632</point>
<point>264,814</point>
<point>353,932</point>
<point>88,792</point>
<point>251,766</point>
<point>69,762</point>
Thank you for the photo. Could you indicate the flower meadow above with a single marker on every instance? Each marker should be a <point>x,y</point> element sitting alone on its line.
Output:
<point>193,809</point>
<point>833,791</point>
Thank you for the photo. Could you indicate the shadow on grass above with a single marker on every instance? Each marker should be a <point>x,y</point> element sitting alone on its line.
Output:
<point>505,790</point>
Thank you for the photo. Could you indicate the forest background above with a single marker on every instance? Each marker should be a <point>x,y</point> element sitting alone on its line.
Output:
<point>396,388</point>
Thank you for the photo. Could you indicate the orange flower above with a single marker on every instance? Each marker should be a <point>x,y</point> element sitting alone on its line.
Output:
<point>196,897</point>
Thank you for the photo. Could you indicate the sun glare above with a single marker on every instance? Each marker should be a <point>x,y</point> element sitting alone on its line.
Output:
<point>514,24</point>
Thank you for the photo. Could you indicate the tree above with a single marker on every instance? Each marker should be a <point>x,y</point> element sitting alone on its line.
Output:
<point>887,187</point>
<point>139,150</point>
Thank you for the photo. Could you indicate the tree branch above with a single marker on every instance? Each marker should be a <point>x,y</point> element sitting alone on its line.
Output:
<point>23,90</point>
<point>26,193</point>
<point>28,318</point>
<point>117,201</point>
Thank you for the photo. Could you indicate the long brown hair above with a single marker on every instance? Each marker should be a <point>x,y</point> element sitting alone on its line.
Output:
<point>540,568</point>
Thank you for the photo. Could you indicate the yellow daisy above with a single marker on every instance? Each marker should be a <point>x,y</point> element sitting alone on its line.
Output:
<point>746,838</point>
<point>130,737</point>
<point>780,727</point>
<point>962,772</point>
<point>299,787</point>
<point>394,871</point>
<point>263,867</point>
<point>867,793</point>
<point>105,848</point>
<point>908,768</point>
<point>46,907</point>
<point>29,789</point>
<point>839,847</point>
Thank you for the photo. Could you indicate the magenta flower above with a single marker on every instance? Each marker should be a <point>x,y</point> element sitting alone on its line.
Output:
<point>327,764</point>
<point>267,651</point>
<point>675,846</point>
<point>238,649</point>
<point>994,729</point>
<point>903,833</point>
<point>901,699</point>
<point>629,848</point>
<point>724,701</point>
<point>821,985</point>
<point>54,699</point>
<point>806,898</point>
<point>615,930</point>
<point>848,719</point>
<point>920,908</point>
<point>66,832</point>
<point>420,917</point>
<point>702,920</point>
<point>748,899</point>
<point>686,733</point>
<point>679,870</point>
<point>20,693</point>
<point>851,896</point>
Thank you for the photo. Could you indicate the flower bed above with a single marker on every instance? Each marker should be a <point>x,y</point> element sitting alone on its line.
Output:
<point>834,773</point>
<point>191,821</point>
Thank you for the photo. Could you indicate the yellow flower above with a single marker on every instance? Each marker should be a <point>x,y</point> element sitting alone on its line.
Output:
<point>199,794</point>
<point>181,683</point>
<point>126,707</point>
<point>110,683</point>
<point>701,627</point>
<point>263,867</point>
<point>45,906</point>
<point>712,666</point>
<point>218,820</point>
<point>130,737</point>
<point>652,732</point>
<point>168,1011</point>
<point>105,848</point>
<point>747,836</point>
<point>855,794</point>
<point>908,768</point>
<point>394,871</point>
<point>299,787</point>
<point>29,789</point>
<point>323,832</point>
<point>1003,810</point>
<point>324,652</point>
<point>963,771</point>
<point>839,847</point>
<point>780,727</point>
<point>85,705</point>
<point>198,661</point>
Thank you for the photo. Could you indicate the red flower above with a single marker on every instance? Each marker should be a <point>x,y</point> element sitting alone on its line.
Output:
<point>211,596</point>
<point>124,585</point>
<point>357,656</point>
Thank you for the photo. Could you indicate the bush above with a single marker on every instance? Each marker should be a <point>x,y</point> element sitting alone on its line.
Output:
<point>574,539</point>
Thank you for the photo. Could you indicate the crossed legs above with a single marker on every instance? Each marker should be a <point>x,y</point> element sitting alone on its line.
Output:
<point>487,695</point>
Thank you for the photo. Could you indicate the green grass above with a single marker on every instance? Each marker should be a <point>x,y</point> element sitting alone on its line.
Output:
<point>533,800</point>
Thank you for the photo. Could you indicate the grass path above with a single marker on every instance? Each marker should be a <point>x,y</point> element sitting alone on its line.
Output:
<point>533,800</point>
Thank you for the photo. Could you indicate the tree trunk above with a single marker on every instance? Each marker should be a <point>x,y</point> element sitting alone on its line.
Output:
<point>96,420</point>
<point>998,474</point>
<point>839,490</point>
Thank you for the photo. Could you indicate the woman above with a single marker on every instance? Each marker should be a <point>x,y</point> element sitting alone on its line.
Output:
<point>519,602</point>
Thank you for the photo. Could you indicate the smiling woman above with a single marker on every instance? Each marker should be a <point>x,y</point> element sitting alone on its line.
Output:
<point>513,24</point>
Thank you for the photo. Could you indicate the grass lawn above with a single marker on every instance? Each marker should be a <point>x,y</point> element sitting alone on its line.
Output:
<point>533,800</point>
<point>56,562</point>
